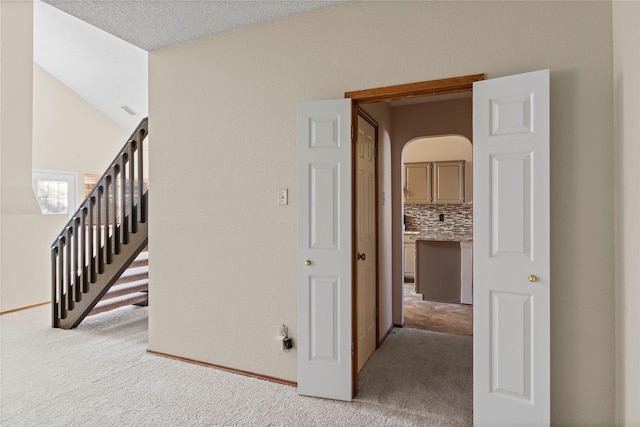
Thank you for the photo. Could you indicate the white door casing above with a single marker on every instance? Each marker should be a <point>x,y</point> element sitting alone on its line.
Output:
<point>366,240</point>
<point>511,322</point>
<point>325,249</point>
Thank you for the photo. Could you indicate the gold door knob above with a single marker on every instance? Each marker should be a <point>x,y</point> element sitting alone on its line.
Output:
<point>533,278</point>
<point>307,262</point>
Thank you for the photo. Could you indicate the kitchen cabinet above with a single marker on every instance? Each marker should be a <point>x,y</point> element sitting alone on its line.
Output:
<point>409,255</point>
<point>448,182</point>
<point>418,182</point>
<point>438,271</point>
<point>435,182</point>
<point>444,271</point>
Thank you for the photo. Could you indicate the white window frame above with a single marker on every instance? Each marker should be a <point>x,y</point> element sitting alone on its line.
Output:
<point>71,178</point>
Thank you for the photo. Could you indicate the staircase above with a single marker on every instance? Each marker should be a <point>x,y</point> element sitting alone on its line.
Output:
<point>92,259</point>
<point>131,288</point>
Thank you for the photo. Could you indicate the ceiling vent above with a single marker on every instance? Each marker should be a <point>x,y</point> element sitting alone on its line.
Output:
<point>128,110</point>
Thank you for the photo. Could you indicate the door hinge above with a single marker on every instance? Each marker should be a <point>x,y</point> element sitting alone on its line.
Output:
<point>377,313</point>
<point>353,350</point>
<point>352,132</point>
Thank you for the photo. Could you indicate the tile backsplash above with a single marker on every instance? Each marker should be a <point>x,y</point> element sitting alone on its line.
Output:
<point>458,219</point>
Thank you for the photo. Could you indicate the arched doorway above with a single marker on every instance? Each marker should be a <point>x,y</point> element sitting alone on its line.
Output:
<point>437,191</point>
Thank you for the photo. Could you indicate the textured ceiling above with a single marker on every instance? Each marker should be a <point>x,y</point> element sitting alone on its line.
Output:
<point>152,25</point>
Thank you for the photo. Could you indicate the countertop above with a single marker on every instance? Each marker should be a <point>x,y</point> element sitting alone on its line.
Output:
<point>439,236</point>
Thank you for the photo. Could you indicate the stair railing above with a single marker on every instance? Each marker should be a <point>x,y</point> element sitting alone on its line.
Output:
<point>114,208</point>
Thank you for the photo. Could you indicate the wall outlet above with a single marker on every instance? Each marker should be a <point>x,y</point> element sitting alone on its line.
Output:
<point>283,332</point>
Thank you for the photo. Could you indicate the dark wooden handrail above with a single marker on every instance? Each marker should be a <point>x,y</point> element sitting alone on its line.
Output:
<point>97,231</point>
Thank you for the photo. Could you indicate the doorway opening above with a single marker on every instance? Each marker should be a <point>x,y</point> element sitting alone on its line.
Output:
<point>437,197</point>
<point>511,232</point>
<point>382,104</point>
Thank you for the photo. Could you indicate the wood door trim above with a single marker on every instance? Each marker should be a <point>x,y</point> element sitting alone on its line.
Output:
<point>226,368</point>
<point>412,90</point>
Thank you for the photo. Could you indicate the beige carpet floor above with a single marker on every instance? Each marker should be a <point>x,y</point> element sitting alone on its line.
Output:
<point>101,375</point>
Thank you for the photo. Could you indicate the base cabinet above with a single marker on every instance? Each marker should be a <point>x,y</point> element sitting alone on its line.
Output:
<point>409,256</point>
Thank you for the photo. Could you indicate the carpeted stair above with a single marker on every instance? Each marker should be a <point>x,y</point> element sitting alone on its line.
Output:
<point>131,288</point>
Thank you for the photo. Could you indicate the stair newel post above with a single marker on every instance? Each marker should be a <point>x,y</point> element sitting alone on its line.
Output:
<point>62,302</point>
<point>124,223</point>
<point>142,217</point>
<point>91,246</point>
<point>55,311</point>
<point>108,192</point>
<point>132,211</point>
<point>115,233</point>
<point>83,249</point>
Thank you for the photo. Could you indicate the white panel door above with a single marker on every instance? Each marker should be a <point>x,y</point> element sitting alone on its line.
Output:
<point>366,239</point>
<point>325,249</point>
<point>511,251</point>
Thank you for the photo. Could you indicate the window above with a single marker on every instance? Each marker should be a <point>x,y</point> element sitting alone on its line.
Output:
<point>55,191</point>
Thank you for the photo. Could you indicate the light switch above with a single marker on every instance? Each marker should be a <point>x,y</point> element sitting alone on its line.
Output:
<point>283,196</point>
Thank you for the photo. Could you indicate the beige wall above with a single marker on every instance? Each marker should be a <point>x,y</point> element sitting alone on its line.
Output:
<point>44,126</point>
<point>223,120</point>
<point>626,84</point>
<point>438,149</point>
<point>25,235</point>
<point>69,134</point>
<point>16,51</point>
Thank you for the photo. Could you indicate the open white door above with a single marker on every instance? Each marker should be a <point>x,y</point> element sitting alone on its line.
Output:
<point>511,280</point>
<point>325,249</point>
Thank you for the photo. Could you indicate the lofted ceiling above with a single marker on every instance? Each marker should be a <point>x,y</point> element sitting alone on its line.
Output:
<point>99,48</point>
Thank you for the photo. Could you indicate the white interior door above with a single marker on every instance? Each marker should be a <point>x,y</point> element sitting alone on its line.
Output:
<point>325,249</point>
<point>366,239</point>
<point>511,250</point>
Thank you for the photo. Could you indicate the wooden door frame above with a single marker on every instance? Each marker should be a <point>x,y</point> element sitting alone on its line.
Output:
<point>388,93</point>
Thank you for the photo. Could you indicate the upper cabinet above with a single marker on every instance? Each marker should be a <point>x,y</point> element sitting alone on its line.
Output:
<point>418,182</point>
<point>435,182</point>
<point>448,182</point>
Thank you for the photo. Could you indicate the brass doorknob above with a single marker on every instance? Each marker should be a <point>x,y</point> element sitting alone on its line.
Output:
<point>307,262</point>
<point>533,278</point>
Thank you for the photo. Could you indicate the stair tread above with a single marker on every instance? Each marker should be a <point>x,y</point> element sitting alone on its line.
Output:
<point>135,271</point>
<point>124,298</point>
<point>113,303</point>
<point>119,287</point>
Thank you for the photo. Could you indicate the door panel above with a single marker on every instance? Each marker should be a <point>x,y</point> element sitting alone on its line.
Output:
<point>325,249</point>
<point>511,250</point>
<point>366,240</point>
